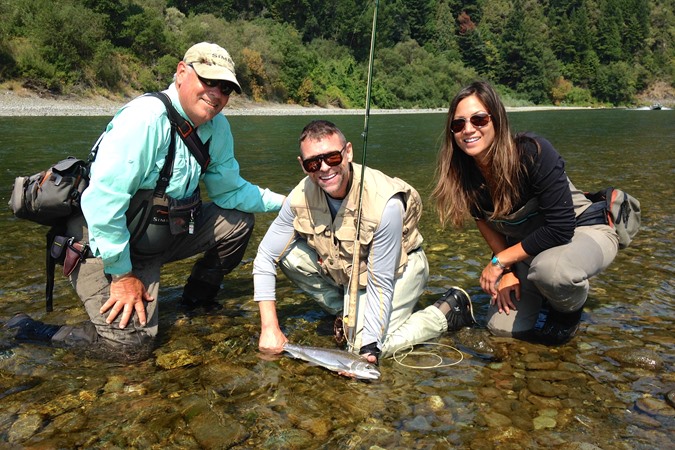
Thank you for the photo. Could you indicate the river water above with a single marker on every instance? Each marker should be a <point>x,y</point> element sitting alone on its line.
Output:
<point>207,386</point>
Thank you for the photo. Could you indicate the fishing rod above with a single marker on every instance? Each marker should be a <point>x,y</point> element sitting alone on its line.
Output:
<point>351,319</point>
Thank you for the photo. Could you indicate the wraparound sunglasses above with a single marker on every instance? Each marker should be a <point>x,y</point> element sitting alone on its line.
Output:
<point>331,158</point>
<point>225,86</point>
<point>477,120</point>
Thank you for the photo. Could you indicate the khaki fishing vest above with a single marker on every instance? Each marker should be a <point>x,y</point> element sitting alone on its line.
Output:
<point>333,240</point>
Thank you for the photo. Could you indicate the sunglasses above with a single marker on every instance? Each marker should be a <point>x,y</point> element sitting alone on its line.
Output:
<point>477,120</point>
<point>225,86</point>
<point>331,158</point>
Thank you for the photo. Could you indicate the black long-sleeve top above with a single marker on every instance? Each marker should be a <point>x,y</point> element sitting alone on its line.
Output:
<point>546,181</point>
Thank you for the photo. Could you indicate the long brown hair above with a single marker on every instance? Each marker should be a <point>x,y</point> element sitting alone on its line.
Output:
<point>458,178</point>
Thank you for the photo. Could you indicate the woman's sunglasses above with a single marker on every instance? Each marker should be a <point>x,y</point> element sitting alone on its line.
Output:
<point>331,158</point>
<point>225,86</point>
<point>477,120</point>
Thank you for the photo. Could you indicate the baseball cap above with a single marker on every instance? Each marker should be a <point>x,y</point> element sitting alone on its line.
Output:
<point>211,61</point>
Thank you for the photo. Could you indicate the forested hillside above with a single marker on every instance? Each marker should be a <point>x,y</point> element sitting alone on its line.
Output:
<point>564,52</point>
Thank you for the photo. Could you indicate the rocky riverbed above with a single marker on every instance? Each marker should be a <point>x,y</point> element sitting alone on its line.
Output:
<point>28,103</point>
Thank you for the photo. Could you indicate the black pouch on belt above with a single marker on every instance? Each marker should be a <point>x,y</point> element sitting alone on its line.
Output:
<point>183,213</point>
<point>596,214</point>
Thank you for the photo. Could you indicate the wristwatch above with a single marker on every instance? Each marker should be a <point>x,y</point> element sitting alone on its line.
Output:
<point>495,262</point>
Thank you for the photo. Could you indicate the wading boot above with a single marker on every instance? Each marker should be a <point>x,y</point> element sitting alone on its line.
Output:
<point>199,294</point>
<point>30,330</point>
<point>455,304</point>
<point>558,328</point>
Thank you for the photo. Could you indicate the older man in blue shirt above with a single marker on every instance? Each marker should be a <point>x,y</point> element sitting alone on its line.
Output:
<point>119,282</point>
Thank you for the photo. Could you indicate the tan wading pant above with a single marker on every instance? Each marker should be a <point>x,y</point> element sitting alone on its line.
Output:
<point>405,327</point>
<point>559,275</point>
<point>220,233</point>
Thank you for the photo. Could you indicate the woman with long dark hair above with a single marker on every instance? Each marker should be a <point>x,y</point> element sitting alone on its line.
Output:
<point>526,208</point>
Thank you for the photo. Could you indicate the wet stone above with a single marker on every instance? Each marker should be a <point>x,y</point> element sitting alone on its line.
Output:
<point>543,388</point>
<point>436,403</point>
<point>228,379</point>
<point>509,435</point>
<point>289,438</point>
<point>544,402</point>
<point>60,404</point>
<point>542,365</point>
<point>319,427</point>
<point>419,423</point>
<point>541,422</point>
<point>670,398</point>
<point>643,420</point>
<point>570,367</point>
<point>24,427</point>
<point>216,431</point>
<point>636,357</point>
<point>494,419</point>
<point>177,358</point>
<point>551,375</point>
<point>114,384</point>
<point>654,407</point>
<point>71,421</point>
<point>436,248</point>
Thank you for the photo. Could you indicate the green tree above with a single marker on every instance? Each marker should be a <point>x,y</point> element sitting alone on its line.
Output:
<point>528,63</point>
<point>636,29</point>
<point>145,34</point>
<point>583,66</point>
<point>113,15</point>
<point>65,36</point>
<point>610,23</point>
<point>615,83</point>
<point>442,32</point>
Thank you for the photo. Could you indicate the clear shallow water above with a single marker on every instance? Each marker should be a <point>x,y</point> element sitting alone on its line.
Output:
<point>208,387</point>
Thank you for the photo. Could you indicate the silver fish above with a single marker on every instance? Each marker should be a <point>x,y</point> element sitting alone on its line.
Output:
<point>335,360</point>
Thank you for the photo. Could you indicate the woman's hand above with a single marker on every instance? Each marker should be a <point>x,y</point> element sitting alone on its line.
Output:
<point>489,279</point>
<point>508,291</point>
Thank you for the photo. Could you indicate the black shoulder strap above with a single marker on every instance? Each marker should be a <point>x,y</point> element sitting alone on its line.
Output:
<point>167,170</point>
<point>51,268</point>
<point>186,131</point>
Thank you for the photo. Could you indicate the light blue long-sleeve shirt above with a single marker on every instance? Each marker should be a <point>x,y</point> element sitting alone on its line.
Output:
<point>130,157</point>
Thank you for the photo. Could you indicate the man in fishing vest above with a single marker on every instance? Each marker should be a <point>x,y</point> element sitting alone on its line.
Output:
<point>312,240</point>
<point>118,280</point>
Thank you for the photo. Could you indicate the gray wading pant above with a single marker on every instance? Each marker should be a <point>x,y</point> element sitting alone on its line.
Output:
<point>559,275</point>
<point>404,328</point>
<point>222,234</point>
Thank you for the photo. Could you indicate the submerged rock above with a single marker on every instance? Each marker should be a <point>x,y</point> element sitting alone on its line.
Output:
<point>24,427</point>
<point>178,358</point>
<point>670,398</point>
<point>654,407</point>
<point>636,357</point>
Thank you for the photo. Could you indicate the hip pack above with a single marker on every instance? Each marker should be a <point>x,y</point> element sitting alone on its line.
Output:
<point>52,196</point>
<point>615,208</point>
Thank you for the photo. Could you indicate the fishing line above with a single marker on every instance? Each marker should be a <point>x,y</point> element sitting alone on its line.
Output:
<point>412,352</point>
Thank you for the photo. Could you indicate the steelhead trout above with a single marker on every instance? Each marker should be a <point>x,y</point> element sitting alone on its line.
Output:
<point>335,360</point>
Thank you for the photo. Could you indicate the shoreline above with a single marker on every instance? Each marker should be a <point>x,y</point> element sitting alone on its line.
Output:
<point>13,104</point>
